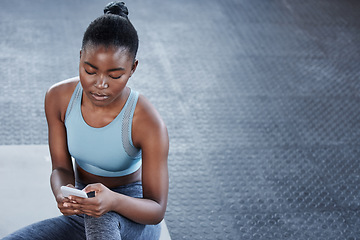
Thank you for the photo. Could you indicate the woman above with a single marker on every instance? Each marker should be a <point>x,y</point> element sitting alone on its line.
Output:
<point>118,140</point>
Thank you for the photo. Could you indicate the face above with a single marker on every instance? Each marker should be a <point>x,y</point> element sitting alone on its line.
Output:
<point>104,73</point>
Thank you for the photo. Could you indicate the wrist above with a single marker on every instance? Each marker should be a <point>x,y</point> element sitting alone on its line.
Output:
<point>115,201</point>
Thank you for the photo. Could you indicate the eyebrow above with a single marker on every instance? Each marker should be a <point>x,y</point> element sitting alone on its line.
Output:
<point>110,70</point>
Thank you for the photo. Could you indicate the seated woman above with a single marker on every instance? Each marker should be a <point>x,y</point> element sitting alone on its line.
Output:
<point>118,140</point>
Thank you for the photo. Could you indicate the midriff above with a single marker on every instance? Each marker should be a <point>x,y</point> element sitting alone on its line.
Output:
<point>86,178</point>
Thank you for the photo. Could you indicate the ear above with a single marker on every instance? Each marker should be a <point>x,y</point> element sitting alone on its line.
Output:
<point>136,62</point>
<point>80,53</point>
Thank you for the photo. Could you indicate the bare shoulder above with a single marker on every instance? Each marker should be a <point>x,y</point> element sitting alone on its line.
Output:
<point>148,113</point>
<point>58,96</point>
<point>147,122</point>
<point>63,87</point>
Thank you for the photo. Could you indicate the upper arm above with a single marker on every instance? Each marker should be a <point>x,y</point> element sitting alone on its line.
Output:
<point>54,111</point>
<point>150,134</point>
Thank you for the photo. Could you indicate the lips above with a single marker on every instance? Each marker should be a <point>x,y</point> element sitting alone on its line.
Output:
<point>99,96</point>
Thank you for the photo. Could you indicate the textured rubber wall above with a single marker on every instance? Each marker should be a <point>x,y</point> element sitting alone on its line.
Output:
<point>261,99</point>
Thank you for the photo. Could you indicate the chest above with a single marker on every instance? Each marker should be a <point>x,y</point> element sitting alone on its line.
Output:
<point>97,119</point>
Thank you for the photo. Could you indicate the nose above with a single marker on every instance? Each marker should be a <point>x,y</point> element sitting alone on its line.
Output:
<point>101,82</point>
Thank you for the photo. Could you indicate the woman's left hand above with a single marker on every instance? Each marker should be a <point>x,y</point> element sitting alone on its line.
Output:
<point>98,205</point>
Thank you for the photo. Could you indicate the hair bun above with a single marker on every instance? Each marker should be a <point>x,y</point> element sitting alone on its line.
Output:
<point>117,8</point>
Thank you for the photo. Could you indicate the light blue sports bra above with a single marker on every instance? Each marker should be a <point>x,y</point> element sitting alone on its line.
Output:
<point>107,151</point>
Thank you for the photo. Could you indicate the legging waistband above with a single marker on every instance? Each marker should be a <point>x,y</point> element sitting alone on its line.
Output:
<point>132,189</point>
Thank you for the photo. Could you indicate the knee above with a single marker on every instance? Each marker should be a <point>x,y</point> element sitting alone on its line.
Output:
<point>106,227</point>
<point>106,219</point>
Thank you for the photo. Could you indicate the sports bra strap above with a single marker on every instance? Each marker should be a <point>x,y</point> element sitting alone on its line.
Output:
<point>75,96</point>
<point>129,148</point>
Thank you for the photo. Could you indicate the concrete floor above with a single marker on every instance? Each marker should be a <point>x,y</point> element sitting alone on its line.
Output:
<point>261,99</point>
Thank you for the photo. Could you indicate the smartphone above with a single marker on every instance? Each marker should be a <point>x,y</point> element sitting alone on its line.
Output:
<point>68,191</point>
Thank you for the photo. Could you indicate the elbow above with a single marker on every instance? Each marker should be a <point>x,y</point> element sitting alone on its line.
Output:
<point>161,212</point>
<point>156,220</point>
<point>150,220</point>
<point>157,217</point>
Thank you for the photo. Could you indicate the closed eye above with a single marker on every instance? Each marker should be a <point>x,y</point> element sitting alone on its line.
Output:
<point>90,73</point>
<point>116,77</point>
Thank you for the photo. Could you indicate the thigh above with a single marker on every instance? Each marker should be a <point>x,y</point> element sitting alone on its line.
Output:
<point>132,230</point>
<point>103,227</point>
<point>114,226</point>
<point>58,228</point>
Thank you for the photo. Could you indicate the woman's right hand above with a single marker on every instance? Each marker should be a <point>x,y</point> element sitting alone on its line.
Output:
<point>64,204</point>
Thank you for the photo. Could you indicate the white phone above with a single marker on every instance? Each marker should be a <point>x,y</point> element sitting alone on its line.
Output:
<point>68,191</point>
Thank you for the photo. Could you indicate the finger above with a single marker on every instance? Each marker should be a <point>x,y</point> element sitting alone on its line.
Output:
<point>69,212</point>
<point>77,211</point>
<point>90,205</point>
<point>96,187</point>
<point>86,206</point>
<point>92,213</point>
<point>68,200</point>
<point>65,199</point>
<point>72,205</point>
<point>70,185</point>
<point>66,209</point>
<point>76,199</point>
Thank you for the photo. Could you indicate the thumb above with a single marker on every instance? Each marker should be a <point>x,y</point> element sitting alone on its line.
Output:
<point>92,188</point>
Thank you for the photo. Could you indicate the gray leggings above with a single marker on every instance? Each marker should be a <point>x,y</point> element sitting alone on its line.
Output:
<point>109,226</point>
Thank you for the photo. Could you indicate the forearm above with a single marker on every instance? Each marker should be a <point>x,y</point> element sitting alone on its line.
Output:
<point>61,177</point>
<point>144,211</point>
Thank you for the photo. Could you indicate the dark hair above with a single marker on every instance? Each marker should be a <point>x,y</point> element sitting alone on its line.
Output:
<point>113,29</point>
